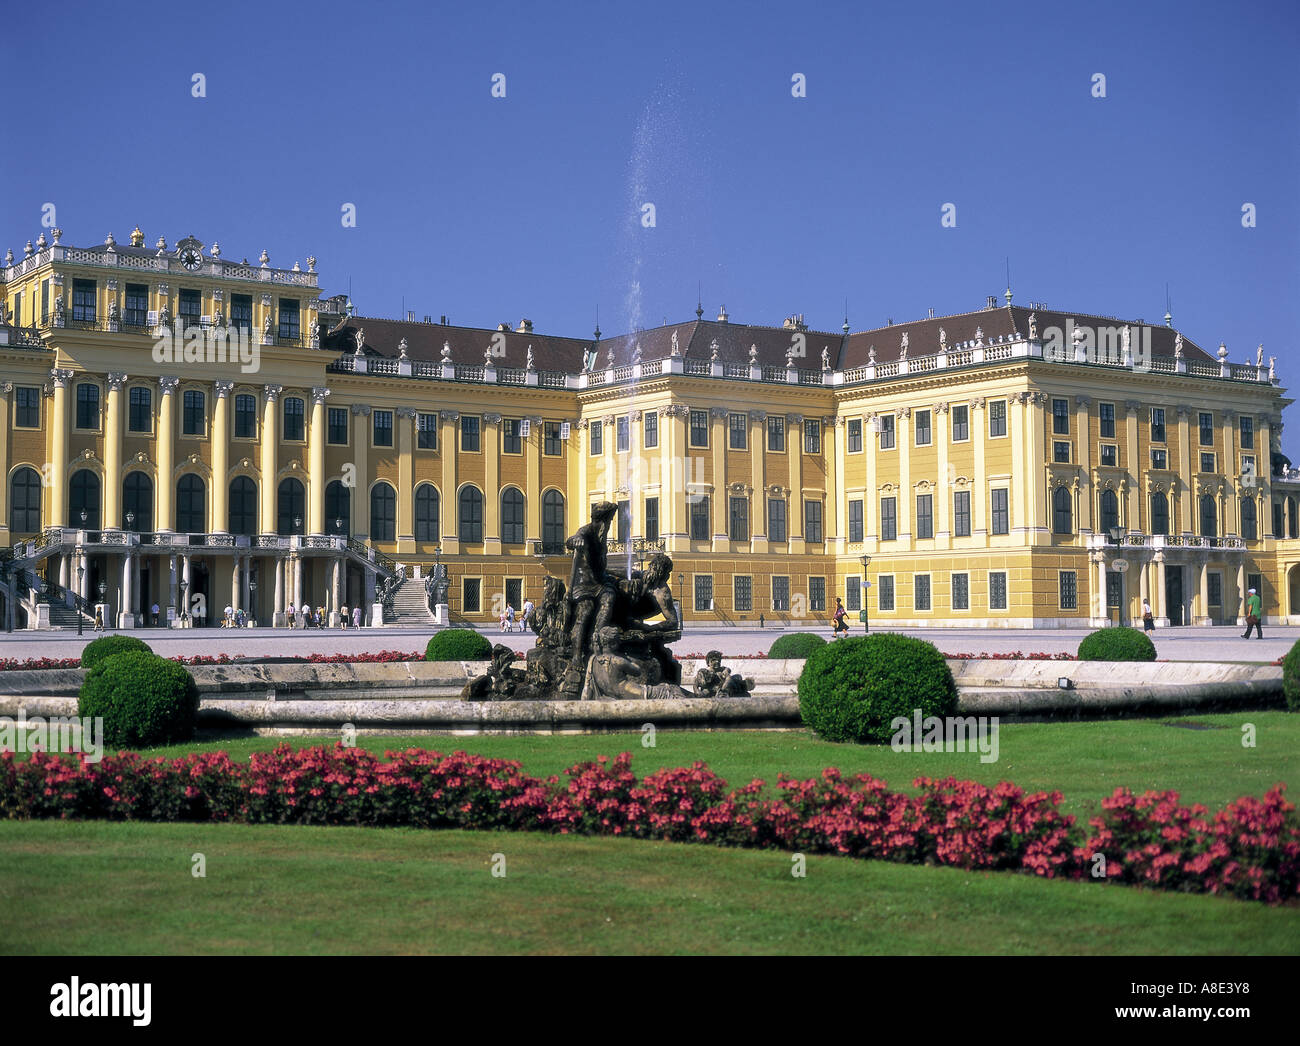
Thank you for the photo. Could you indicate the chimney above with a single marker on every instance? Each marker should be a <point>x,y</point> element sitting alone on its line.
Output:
<point>525,327</point>
<point>992,302</point>
<point>410,317</point>
<point>722,314</point>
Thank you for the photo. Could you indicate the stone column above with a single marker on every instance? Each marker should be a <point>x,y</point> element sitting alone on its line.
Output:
<point>1083,442</point>
<point>676,475</point>
<point>166,443</point>
<point>113,451</point>
<point>244,578</point>
<point>835,525</point>
<point>1144,584</point>
<point>277,608</point>
<point>188,586</point>
<point>125,618</point>
<point>171,585</point>
<point>448,504</point>
<point>59,422</point>
<point>945,491</point>
<point>367,610</point>
<point>757,479</point>
<point>1158,604</point>
<point>1188,513</point>
<point>270,443</point>
<point>336,593</point>
<point>533,480</point>
<point>1204,616</point>
<point>297,581</point>
<point>491,444</point>
<point>405,532</point>
<point>6,392</point>
<point>221,456</point>
<point>1103,609</point>
<point>1241,594</point>
<point>980,496</point>
<point>794,510</point>
<point>718,446</point>
<point>316,464</point>
<point>906,495</point>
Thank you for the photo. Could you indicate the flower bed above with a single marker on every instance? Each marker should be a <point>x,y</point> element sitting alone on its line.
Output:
<point>1249,849</point>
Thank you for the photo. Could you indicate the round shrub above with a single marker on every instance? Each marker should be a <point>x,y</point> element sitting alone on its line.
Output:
<point>853,689</point>
<point>458,644</point>
<point>796,645</point>
<point>1291,677</point>
<point>1117,644</point>
<point>144,700</point>
<point>106,646</point>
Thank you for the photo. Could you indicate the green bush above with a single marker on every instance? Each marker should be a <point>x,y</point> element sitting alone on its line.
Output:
<point>1291,677</point>
<point>458,644</point>
<point>853,689</point>
<point>1117,644</point>
<point>144,699</point>
<point>106,646</point>
<point>797,645</point>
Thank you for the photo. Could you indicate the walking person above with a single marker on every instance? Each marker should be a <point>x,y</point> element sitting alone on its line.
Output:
<point>99,619</point>
<point>1254,614</point>
<point>288,613</point>
<point>344,618</point>
<point>305,611</point>
<point>356,617</point>
<point>839,619</point>
<point>510,618</point>
<point>528,615</point>
<point>1148,618</point>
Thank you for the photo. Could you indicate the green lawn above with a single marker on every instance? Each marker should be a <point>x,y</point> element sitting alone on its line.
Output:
<point>126,888</point>
<point>96,888</point>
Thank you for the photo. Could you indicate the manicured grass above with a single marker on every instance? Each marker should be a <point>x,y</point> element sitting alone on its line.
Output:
<point>97,888</point>
<point>1086,761</point>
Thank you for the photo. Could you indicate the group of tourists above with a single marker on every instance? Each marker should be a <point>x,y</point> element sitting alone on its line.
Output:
<point>234,617</point>
<point>508,621</point>
<point>307,617</point>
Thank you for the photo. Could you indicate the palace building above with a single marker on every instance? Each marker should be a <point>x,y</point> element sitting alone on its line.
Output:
<point>182,430</point>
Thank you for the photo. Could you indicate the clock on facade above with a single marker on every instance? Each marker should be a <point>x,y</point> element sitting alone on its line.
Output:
<point>191,258</point>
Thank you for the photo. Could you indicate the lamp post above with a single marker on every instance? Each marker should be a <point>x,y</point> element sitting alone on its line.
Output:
<point>252,594</point>
<point>338,524</point>
<point>1117,535</point>
<point>130,520</point>
<point>81,573</point>
<point>866,591</point>
<point>297,524</point>
<point>185,603</point>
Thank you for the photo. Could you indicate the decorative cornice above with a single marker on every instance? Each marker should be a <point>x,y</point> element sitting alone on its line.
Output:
<point>1083,401</point>
<point>445,415</point>
<point>408,412</point>
<point>223,388</point>
<point>941,408</point>
<point>60,376</point>
<point>492,419</point>
<point>794,419</point>
<point>977,403</point>
<point>758,415</point>
<point>717,413</point>
<point>168,384</point>
<point>272,392</point>
<point>318,394</point>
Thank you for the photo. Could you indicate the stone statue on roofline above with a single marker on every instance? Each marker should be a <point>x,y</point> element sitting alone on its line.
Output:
<point>943,340</point>
<point>1259,355</point>
<point>1033,326</point>
<point>903,352</point>
<point>1178,345</point>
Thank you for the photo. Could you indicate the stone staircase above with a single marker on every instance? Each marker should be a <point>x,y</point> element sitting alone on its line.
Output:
<point>410,607</point>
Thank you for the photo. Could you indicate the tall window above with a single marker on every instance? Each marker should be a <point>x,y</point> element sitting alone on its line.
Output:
<point>1109,511</point>
<point>243,506</point>
<point>83,301</point>
<point>997,417</point>
<point>241,311</point>
<point>775,519</point>
<point>961,591</point>
<point>426,431</point>
<point>736,428</point>
<point>960,423</point>
<point>812,521</point>
<point>652,519</point>
<point>290,505</point>
<point>471,515</point>
<point>84,498</point>
<point>469,434</point>
<point>1209,517</point>
<point>553,529</point>
<point>25,501</point>
<point>855,520</point>
<point>294,413</point>
<point>189,308</point>
<point>597,430</point>
<point>426,513</point>
<point>27,407</point>
<point>885,592</point>
<point>136,313</point>
<point>886,431</point>
<point>246,417</point>
<point>855,435</point>
<point>921,426</point>
<point>888,519</point>
<point>625,521</point>
<point>853,592</point>
<point>961,514</point>
<point>1249,528</point>
<point>471,589</point>
<point>742,593</point>
<point>1157,424</point>
<point>512,442</point>
<point>997,590</point>
<point>650,429</point>
<point>289,318</point>
<point>817,593</point>
<point>1069,590</point>
<point>1206,427</point>
<point>512,516</point>
<point>1001,514</point>
<point>623,434</point>
<point>925,515</point>
<point>551,438</point>
<point>1106,417</point>
<point>812,436</point>
<point>193,416</point>
<point>382,420</point>
<point>337,428</point>
<point>1062,511</point>
<point>921,591</point>
<point>140,410</point>
<point>1159,514</point>
<point>703,592</point>
<point>137,502</point>
<point>87,406</point>
<point>775,432</point>
<point>699,517</point>
<point>1247,432</point>
<point>338,509</point>
<point>1061,417</point>
<point>383,513</point>
<point>191,505</point>
<point>739,519</point>
<point>699,428</point>
<point>780,593</point>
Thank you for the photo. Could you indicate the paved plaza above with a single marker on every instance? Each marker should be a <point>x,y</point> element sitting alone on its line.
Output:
<point>1220,644</point>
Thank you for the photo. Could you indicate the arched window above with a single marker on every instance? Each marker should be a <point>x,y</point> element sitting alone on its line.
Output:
<point>25,502</point>
<point>191,504</point>
<point>84,498</point>
<point>512,516</point>
<point>137,502</point>
<point>243,506</point>
<point>1062,511</point>
<point>383,513</point>
<point>1249,527</point>
<point>426,512</point>
<point>1109,511</point>
<point>1159,514</point>
<point>338,509</point>
<point>553,519</point>
<point>471,515</point>
<point>1209,517</point>
<point>290,517</point>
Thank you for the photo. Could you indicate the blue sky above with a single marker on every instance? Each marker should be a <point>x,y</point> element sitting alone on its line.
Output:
<point>489,210</point>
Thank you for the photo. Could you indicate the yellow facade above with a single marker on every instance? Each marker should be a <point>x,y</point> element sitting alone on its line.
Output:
<point>993,480</point>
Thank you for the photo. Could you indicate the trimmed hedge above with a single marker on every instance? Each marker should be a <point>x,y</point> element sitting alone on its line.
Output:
<point>1117,644</point>
<point>144,700</point>
<point>104,647</point>
<point>458,644</point>
<point>798,645</point>
<point>853,689</point>
<point>1291,677</point>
